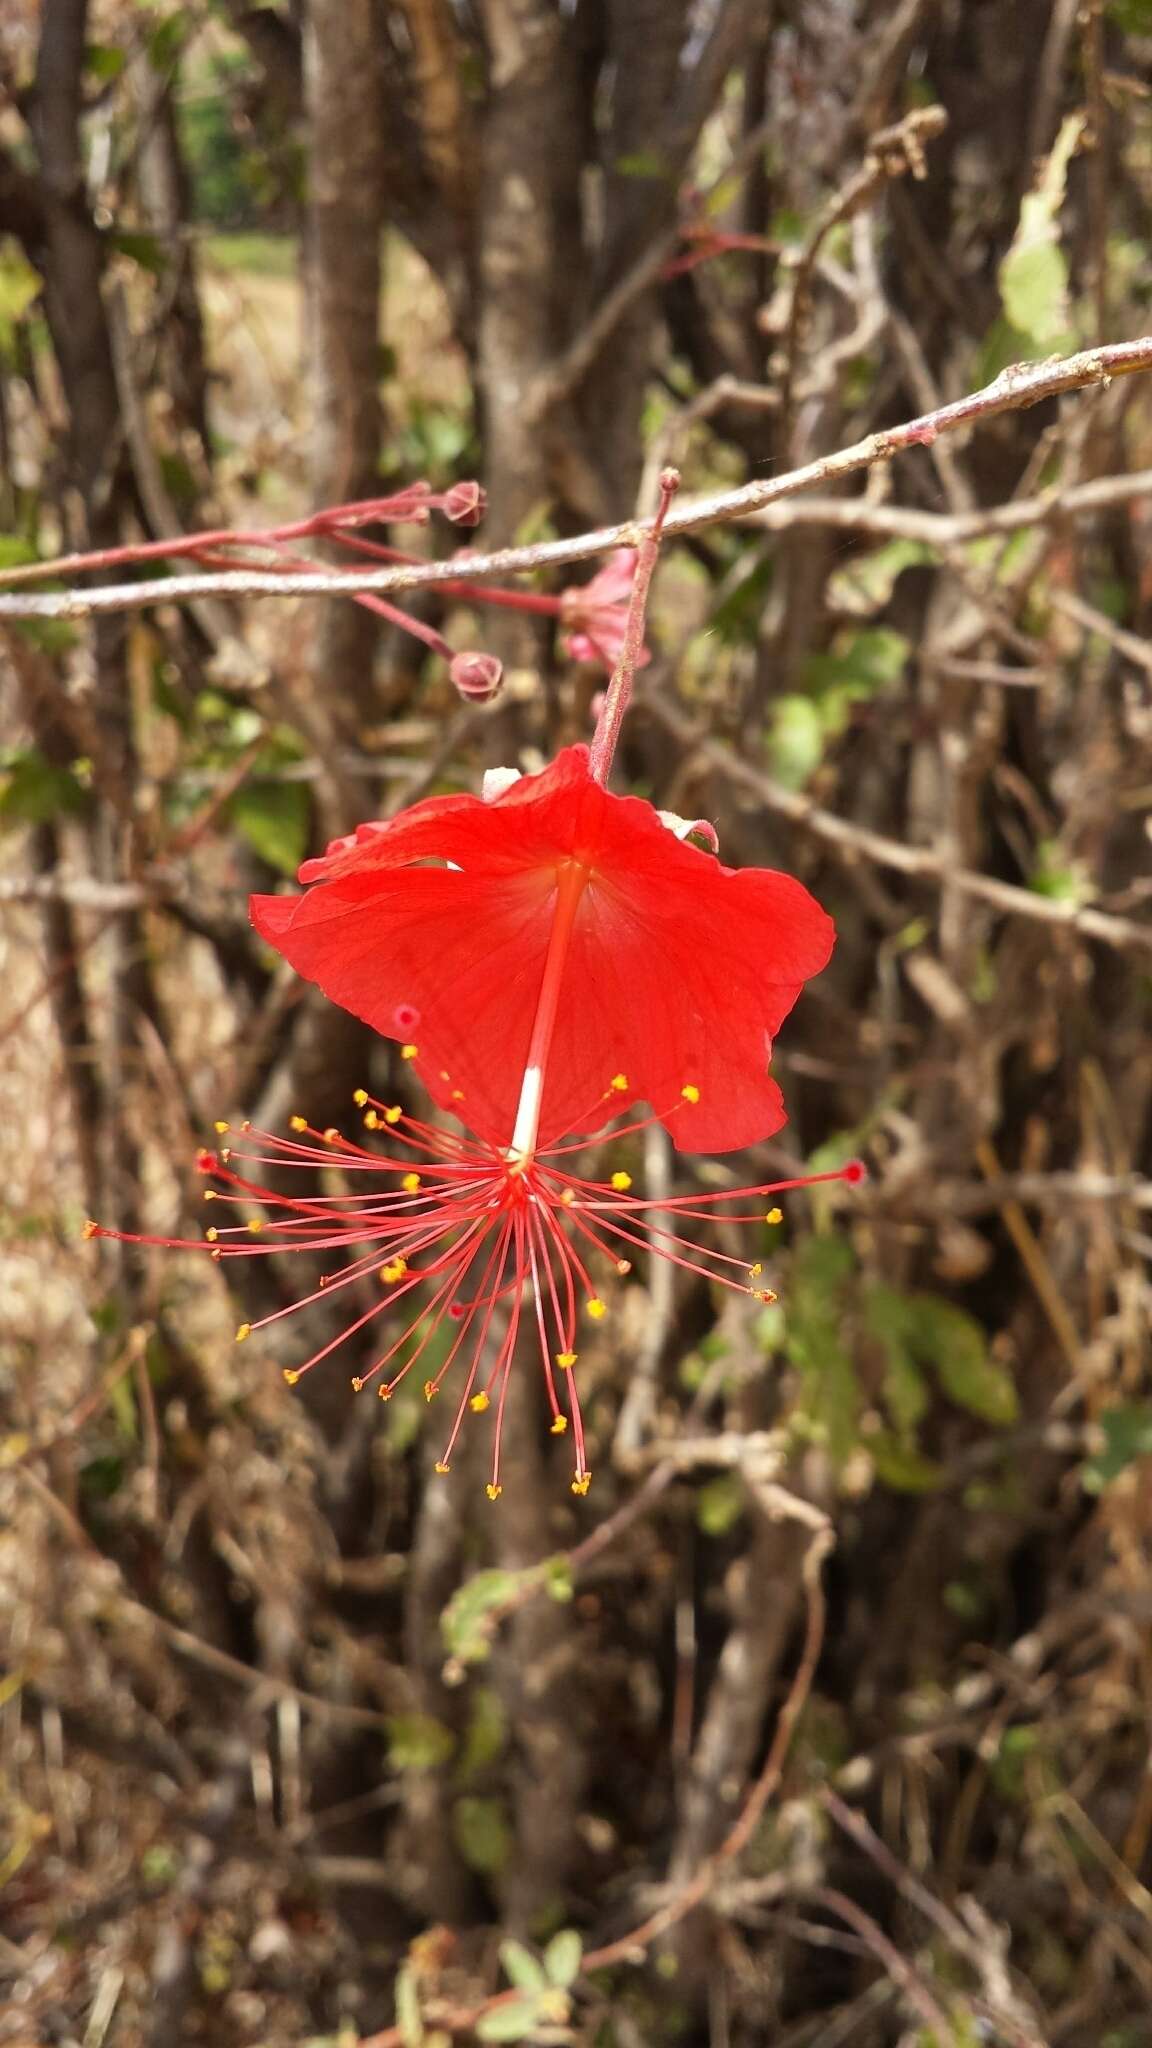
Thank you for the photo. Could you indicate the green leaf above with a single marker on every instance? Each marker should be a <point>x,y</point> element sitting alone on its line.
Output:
<point>867,581</point>
<point>900,1465</point>
<point>795,739</point>
<point>167,39</point>
<point>1059,878</point>
<point>1127,1433</point>
<point>563,1956</point>
<point>145,250</point>
<point>512,2022</point>
<point>15,551</point>
<point>858,665</point>
<point>643,163</point>
<point>815,1344</point>
<point>482,1834</point>
<point>418,1742</point>
<point>487,1730</point>
<point>104,62</point>
<point>275,818</point>
<point>559,1583</point>
<point>1033,287</point>
<point>904,1390</point>
<point>720,1504</point>
<point>1034,273</point>
<point>954,1344</point>
<point>466,1623</point>
<point>32,790</point>
<point>521,1967</point>
<point>19,286</point>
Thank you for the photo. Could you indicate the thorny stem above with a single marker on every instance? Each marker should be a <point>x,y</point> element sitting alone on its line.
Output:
<point>619,691</point>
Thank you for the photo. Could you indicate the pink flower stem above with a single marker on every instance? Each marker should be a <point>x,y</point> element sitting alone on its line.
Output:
<point>619,691</point>
<point>472,593</point>
<point>332,522</point>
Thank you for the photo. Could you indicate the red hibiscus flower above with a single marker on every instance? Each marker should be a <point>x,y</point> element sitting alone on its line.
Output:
<point>546,956</point>
<point>451,925</point>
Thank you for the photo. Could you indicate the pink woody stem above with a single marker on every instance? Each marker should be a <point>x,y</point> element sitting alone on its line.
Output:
<point>619,691</point>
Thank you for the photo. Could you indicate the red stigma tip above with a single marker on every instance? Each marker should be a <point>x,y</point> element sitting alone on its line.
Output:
<point>855,1173</point>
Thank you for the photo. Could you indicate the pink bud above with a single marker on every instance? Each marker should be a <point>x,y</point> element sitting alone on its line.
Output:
<point>476,676</point>
<point>465,503</point>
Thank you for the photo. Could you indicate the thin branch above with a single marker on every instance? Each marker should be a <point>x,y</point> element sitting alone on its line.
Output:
<point>858,842</point>
<point>631,1947</point>
<point>1017,387</point>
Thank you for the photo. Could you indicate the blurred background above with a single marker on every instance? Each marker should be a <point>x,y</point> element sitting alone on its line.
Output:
<point>297,1742</point>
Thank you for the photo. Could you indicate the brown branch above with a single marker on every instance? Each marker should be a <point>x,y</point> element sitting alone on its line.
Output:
<point>630,1947</point>
<point>1013,390</point>
<point>891,153</point>
<point>859,842</point>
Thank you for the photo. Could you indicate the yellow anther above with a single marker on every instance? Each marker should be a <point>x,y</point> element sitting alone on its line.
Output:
<point>478,1403</point>
<point>243,1330</point>
<point>246,1126</point>
<point>331,1135</point>
<point>255,1227</point>
<point>291,1375</point>
<point>597,1309</point>
<point>393,1271</point>
<point>774,1216</point>
<point>384,1393</point>
<point>360,1097</point>
<point>444,1074</point>
<point>493,1492</point>
<point>371,1120</point>
<point>410,1183</point>
<point>566,1360</point>
<point>393,1116</point>
<point>755,1271</point>
<point>764,1294</point>
<point>297,1123</point>
<point>357,1384</point>
<point>430,1390</point>
<point>457,1095</point>
<point>225,1154</point>
<point>581,1483</point>
<point>621,1182</point>
<point>442,1468</point>
<point>221,1126</point>
<point>90,1231</point>
<point>409,1052</point>
<point>210,1195</point>
<point>691,1093</point>
<point>216,1253</point>
<point>567,1198</point>
<point>559,1425</point>
<point>623,1266</point>
<point>211,1233</point>
<point>620,1083</point>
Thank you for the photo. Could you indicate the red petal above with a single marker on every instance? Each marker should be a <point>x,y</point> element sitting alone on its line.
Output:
<point>679,971</point>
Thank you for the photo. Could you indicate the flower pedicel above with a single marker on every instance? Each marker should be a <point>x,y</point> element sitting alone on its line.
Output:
<point>548,956</point>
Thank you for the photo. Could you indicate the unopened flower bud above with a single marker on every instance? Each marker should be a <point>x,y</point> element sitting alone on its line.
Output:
<point>477,676</point>
<point>464,503</point>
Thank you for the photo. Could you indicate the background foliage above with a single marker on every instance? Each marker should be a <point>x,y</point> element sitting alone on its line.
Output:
<point>296,1742</point>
